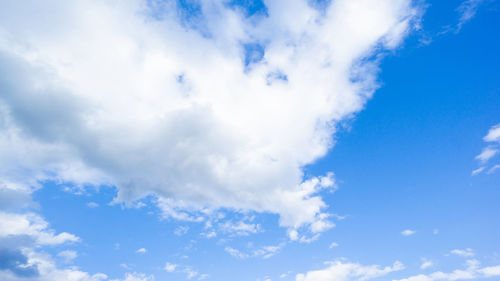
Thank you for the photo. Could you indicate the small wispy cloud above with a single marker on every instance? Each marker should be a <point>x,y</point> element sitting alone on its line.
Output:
<point>467,10</point>
<point>408,232</point>
<point>463,253</point>
<point>426,263</point>
<point>92,205</point>
<point>487,153</point>
<point>181,230</point>
<point>141,251</point>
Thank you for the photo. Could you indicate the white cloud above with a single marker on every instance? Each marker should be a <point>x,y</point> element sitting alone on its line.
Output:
<point>153,108</point>
<point>141,251</point>
<point>181,230</point>
<point>426,263</point>
<point>340,271</point>
<point>68,255</point>
<point>471,272</point>
<point>493,134</point>
<point>92,205</point>
<point>136,277</point>
<point>463,253</point>
<point>467,10</point>
<point>477,171</point>
<point>494,169</point>
<point>333,245</point>
<point>265,252</point>
<point>33,226</point>
<point>188,270</point>
<point>408,232</point>
<point>487,153</point>
<point>170,267</point>
<point>240,228</point>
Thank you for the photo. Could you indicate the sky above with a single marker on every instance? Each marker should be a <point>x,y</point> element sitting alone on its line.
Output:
<point>298,140</point>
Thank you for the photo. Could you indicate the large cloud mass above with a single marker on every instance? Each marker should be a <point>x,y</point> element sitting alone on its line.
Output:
<point>218,109</point>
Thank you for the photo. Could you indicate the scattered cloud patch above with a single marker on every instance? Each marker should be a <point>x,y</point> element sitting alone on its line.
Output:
<point>181,230</point>
<point>338,270</point>
<point>490,151</point>
<point>463,253</point>
<point>471,272</point>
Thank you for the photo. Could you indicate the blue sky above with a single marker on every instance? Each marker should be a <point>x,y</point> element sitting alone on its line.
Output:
<point>248,140</point>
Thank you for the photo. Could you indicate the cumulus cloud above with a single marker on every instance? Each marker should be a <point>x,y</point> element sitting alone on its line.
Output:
<point>471,272</point>
<point>32,226</point>
<point>345,271</point>
<point>154,106</point>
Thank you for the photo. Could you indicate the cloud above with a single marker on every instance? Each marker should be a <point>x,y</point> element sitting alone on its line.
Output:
<point>136,277</point>
<point>494,169</point>
<point>181,230</point>
<point>34,227</point>
<point>487,154</point>
<point>17,263</point>
<point>477,171</point>
<point>471,272</point>
<point>490,151</point>
<point>170,267</point>
<point>493,134</point>
<point>141,251</point>
<point>188,270</point>
<point>333,245</point>
<point>467,10</point>
<point>68,255</point>
<point>463,253</point>
<point>155,107</point>
<point>265,252</point>
<point>426,263</point>
<point>92,205</point>
<point>408,232</point>
<point>345,271</point>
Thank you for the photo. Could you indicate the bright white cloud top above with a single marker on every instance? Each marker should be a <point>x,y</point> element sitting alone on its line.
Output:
<point>117,93</point>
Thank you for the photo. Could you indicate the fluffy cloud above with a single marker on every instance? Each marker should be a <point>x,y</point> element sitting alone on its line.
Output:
<point>33,227</point>
<point>21,236</point>
<point>345,271</point>
<point>129,94</point>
